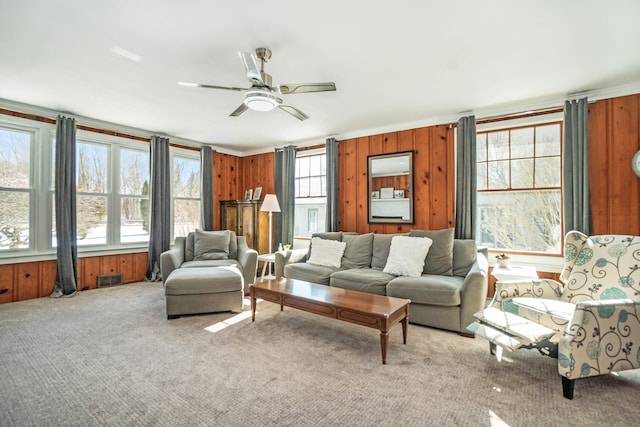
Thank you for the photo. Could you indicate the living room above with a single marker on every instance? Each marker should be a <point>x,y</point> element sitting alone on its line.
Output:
<point>430,133</point>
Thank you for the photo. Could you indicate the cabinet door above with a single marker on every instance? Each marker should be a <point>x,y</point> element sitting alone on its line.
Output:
<point>90,272</point>
<point>249,225</point>
<point>140,262</point>
<point>230,218</point>
<point>6,283</point>
<point>110,265</point>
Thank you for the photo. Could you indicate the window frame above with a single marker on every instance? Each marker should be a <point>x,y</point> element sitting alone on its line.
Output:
<point>515,124</point>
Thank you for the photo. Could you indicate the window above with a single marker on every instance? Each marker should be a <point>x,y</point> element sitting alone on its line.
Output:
<point>134,195</point>
<point>311,194</point>
<point>519,188</point>
<point>186,193</point>
<point>16,189</point>
<point>92,193</point>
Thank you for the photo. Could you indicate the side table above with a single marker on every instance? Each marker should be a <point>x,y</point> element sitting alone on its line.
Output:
<point>513,272</point>
<point>268,260</point>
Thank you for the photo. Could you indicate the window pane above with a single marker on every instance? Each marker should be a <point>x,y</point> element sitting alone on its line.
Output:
<point>498,145</point>
<point>315,165</point>
<point>481,147</point>
<point>548,172</point>
<point>15,150</point>
<point>315,184</point>
<point>498,175</point>
<point>522,173</point>
<point>92,168</point>
<point>303,166</point>
<point>522,143</point>
<point>134,219</point>
<point>548,140</point>
<point>481,172</point>
<point>14,220</point>
<point>92,220</point>
<point>185,216</point>
<point>134,172</point>
<point>186,178</point>
<point>304,187</point>
<point>520,220</point>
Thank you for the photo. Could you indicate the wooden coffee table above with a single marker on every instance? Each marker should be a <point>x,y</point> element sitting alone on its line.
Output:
<point>371,310</point>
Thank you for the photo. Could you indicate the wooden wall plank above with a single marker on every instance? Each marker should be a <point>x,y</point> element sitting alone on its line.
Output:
<point>362,183</point>
<point>422,178</point>
<point>349,178</point>
<point>27,281</point>
<point>48,271</point>
<point>599,149</point>
<point>7,283</point>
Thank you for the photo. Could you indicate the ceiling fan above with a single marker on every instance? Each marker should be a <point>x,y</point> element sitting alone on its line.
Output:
<point>263,95</point>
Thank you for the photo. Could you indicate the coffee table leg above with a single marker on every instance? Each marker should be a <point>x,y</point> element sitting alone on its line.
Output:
<point>384,343</point>
<point>405,324</point>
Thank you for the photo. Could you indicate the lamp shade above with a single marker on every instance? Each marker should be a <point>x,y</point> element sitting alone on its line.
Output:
<point>270,203</point>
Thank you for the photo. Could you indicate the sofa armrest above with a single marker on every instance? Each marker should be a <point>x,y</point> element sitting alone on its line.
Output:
<point>473,294</point>
<point>248,259</point>
<point>288,256</point>
<point>602,337</point>
<point>542,288</point>
<point>173,258</point>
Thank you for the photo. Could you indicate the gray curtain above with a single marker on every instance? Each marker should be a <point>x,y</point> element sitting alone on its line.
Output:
<point>575,167</point>
<point>332,184</point>
<point>65,201</point>
<point>466,178</point>
<point>206,188</point>
<point>160,212</point>
<point>284,180</point>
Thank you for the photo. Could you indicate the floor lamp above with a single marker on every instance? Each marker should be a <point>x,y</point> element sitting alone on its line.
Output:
<point>271,205</point>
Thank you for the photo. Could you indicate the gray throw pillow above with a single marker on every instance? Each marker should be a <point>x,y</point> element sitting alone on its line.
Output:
<point>357,254</point>
<point>465,253</point>
<point>439,260</point>
<point>211,245</point>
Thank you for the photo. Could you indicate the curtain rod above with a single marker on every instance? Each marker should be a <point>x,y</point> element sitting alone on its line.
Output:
<point>524,114</point>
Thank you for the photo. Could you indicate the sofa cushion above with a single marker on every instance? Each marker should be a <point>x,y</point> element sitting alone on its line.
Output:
<point>357,253</point>
<point>212,263</point>
<point>465,253</point>
<point>194,281</point>
<point>211,245</point>
<point>308,272</point>
<point>326,252</point>
<point>328,235</point>
<point>380,251</point>
<point>361,279</point>
<point>427,289</point>
<point>407,255</point>
<point>440,257</point>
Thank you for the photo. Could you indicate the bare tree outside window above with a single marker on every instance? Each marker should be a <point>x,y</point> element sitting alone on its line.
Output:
<point>186,195</point>
<point>15,189</point>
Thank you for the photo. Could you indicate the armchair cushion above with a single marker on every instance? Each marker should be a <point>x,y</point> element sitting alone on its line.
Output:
<point>211,245</point>
<point>603,268</point>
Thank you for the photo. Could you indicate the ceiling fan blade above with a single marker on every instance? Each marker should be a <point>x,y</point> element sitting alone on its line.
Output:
<point>211,86</point>
<point>251,66</point>
<point>294,112</point>
<point>306,87</point>
<point>241,109</point>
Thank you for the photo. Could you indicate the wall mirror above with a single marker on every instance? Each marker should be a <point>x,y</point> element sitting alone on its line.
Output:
<point>391,188</point>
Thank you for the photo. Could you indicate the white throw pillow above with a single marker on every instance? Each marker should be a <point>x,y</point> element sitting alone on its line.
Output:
<point>326,252</point>
<point>407,255</point>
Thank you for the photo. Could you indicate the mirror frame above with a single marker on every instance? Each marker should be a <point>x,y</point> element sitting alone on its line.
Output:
<point>371,174</point>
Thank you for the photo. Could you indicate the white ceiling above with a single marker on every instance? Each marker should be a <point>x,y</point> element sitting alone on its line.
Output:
<point>395,64</point>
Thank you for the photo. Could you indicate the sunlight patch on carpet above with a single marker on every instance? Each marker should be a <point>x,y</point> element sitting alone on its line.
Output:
<point>217,327</point>
<point>496,421</point>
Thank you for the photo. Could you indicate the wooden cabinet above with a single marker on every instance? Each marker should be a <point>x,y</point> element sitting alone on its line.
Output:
<point>246,219</point>
<point>6,283</point>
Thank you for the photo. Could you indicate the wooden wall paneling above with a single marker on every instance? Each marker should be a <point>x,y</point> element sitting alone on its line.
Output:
<point>405,140</point>
<point>362,186</point>
<point>140,262</point>
<point>125,266</point>
<point>110,264</point>
<point>48,270</point>
<point>439,181</point>
<point>421,179</point>
<point>376,146</point>
<point>599,167</point>
<point>349,189</point>
<point>623,183</point>
<point>27,280</point>
<point>91,269</point>
<point>7,283</point>
<point>342,147</point>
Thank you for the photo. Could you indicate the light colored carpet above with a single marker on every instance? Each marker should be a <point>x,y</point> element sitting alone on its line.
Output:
<point>110,357</point>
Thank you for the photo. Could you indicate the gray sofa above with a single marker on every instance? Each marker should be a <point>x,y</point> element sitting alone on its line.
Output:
<point>184,254</point>
<point>452,286</point>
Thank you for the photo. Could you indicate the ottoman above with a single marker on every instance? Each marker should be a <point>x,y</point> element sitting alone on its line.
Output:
<point>203,290</point>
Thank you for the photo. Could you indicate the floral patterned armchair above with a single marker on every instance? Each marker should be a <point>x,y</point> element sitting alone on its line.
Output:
<point>592,324</point>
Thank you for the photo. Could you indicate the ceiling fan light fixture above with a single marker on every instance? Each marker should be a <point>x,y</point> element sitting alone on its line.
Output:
<point>261,101</point>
